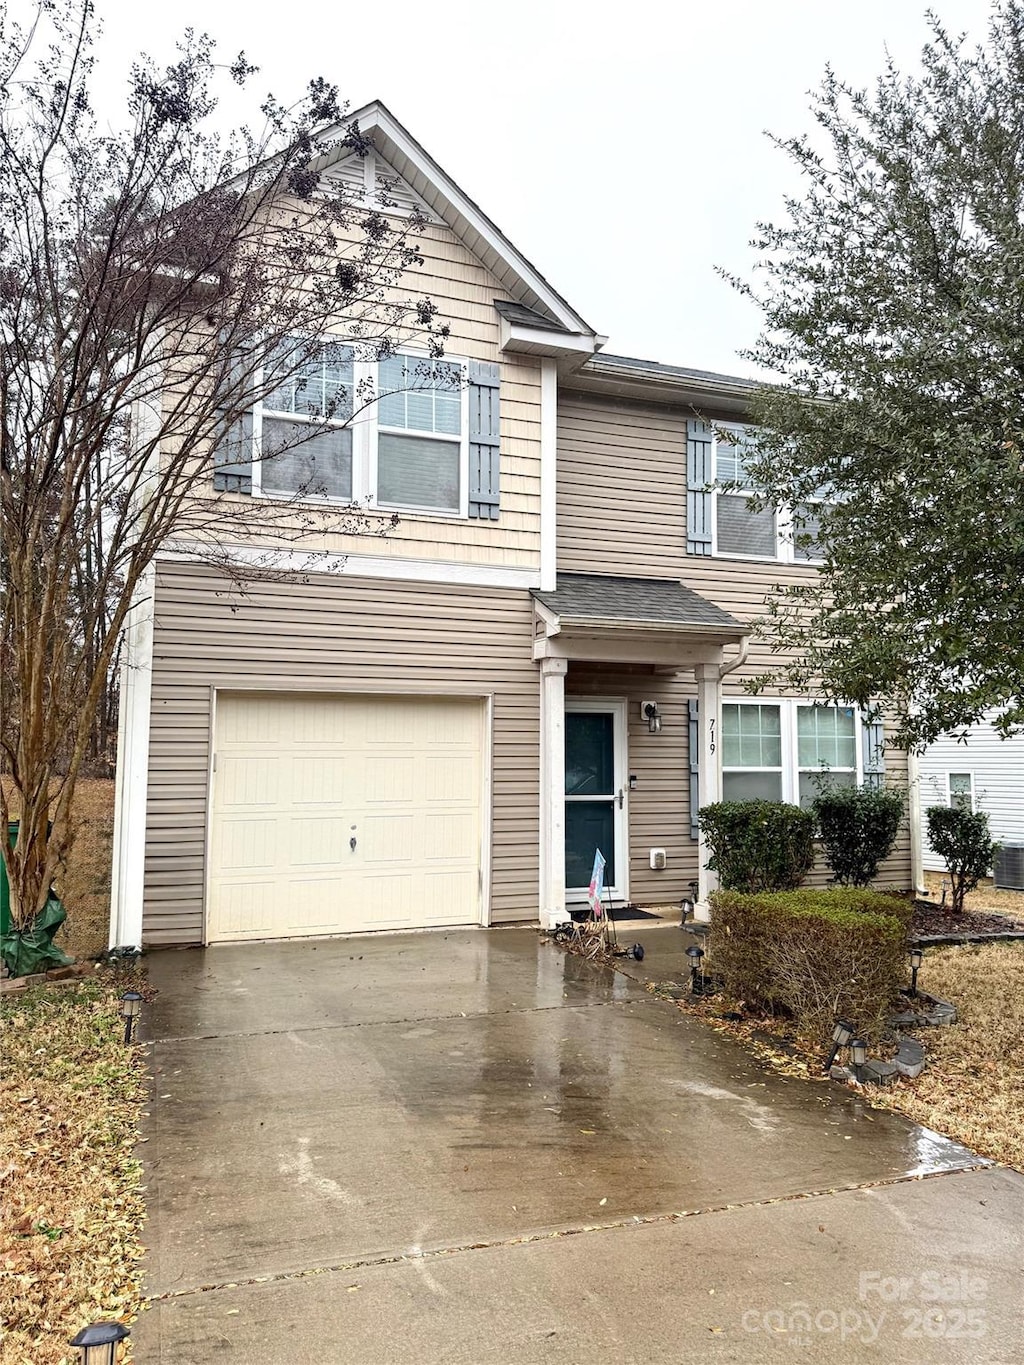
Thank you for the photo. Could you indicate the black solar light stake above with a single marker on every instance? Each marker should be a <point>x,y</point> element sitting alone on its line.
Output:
<point>842,1032</point>
<point>858,1055</point>
<point>916,958</point>
<point>98,1343</point>
<point>696,973</point>
<point>131,1008</point>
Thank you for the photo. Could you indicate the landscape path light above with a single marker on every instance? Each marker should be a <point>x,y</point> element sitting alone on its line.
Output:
<point>98,1342</point>
<point>131,1008</point>
<point>695,954</point>
<point>858,1055</point>
<point>842,1032</point>
<point>916,958</point>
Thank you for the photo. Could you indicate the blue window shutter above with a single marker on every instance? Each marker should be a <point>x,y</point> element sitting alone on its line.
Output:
<point>694,769</point>
<point>484,440</point>
<point>232,453</point>
<point>873,739</point>
<point>698,476</point>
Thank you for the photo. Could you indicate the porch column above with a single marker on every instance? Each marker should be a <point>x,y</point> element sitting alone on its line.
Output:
<point>709,726</point>
<point>552,791</point>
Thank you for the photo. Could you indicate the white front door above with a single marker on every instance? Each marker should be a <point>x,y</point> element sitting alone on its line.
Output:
<point>595,795</point>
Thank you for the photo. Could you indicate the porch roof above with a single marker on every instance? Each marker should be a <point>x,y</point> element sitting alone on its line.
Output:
<point>605,600</point>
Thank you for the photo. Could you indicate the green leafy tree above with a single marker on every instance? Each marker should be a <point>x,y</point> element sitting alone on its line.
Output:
<point>893,304</point>
<point>962,839</point>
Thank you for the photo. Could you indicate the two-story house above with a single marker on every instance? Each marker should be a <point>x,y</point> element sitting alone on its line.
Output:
<point>544,658</point>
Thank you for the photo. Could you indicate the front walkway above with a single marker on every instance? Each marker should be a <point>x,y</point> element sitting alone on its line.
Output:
<point>375,1149</point>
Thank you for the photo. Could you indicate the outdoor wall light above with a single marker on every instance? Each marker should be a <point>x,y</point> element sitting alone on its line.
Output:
<point>131,1008</point>
<point>652,715</point>
<point>842,1032</point>
<point>696,973</point>
<point>98,1342</point>
<point>916,958</point>
<point>858,1055</point>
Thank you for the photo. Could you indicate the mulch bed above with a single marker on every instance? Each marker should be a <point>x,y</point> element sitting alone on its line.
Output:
<point>932,921</point>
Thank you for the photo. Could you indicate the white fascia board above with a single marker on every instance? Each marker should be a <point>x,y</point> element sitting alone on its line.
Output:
<point>516,336</point>
<point>548,475</point>
<point>615,625</point>
<point>302,562</point>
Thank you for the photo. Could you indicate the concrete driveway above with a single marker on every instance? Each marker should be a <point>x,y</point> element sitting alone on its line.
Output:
<point>470,1147</point>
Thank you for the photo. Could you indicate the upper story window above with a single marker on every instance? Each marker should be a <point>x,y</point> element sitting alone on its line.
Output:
<point>787,751</point>
<point>420,435</point>
<point>320,394</point>
<point>721,516</point>
<point>392,434</point>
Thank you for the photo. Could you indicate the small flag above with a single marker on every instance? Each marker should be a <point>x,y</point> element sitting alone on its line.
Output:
<point>596,886</point>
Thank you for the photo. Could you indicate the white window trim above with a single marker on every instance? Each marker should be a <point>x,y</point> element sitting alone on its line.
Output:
<point>784,527</point>
<point>791,768</point>
<point>961,772</point>
<point>364,427</point>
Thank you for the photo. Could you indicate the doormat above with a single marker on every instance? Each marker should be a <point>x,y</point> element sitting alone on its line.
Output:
<point>631,912</point>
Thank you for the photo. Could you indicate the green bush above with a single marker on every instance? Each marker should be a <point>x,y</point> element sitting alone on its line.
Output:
<point>858,827</point>
<point>758,845</point>
<point>963,840</point>
<point>814,955</point>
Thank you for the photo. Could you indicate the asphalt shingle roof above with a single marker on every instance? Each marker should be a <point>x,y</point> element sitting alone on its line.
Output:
<point>527,317</point>
<point>664,601</point>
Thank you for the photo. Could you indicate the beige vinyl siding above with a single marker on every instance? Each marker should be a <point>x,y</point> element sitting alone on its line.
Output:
<point>330,634</point>
<point>621,487</point>
<point>465,293</point>
<point>622,510</point>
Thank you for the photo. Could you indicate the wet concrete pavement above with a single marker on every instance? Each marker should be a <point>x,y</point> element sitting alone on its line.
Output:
<point>375,1141</point>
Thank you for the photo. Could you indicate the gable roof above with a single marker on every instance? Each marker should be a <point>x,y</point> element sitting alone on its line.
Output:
<point>408,159</point>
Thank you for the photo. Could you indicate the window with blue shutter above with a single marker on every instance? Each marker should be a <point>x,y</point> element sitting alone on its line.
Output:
<point>698,494</point>
<point>484,440</point>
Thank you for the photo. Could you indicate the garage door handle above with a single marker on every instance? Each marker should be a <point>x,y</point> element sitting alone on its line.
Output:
<point>352,843</point>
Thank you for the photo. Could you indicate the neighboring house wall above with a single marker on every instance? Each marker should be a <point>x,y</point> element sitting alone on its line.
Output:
<point>622,510</point>
<point>996,767</point>
<point>330,634</point>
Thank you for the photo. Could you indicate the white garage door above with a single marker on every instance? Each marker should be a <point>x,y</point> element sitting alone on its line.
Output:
<point>338,814</point>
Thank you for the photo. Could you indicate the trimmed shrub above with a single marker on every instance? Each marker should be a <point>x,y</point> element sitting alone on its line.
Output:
<point>858,828</point>
<point>758,845</point>
<point>963,840</point>
<point>814,955</point>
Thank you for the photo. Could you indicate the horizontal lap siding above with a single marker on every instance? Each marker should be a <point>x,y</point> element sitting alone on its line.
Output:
<point>330,634</point>
<point>997,769</point>
<point>464,292</point>
<point>622,510</point>
<point>621,487</point>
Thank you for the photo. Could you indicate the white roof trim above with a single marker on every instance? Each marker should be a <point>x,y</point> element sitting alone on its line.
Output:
<point>426,178</point>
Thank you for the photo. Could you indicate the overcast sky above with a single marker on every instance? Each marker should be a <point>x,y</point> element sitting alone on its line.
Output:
<point>621,147</point>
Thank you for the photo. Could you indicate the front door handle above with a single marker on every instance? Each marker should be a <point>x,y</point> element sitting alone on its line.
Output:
<point>622,797</point>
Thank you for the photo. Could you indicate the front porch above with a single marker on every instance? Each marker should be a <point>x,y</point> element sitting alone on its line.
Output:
<point>631,694</point>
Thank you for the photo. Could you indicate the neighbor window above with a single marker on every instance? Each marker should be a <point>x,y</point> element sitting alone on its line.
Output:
<point>406,446</point>
<point>787,751</point>
<point>961,791</point>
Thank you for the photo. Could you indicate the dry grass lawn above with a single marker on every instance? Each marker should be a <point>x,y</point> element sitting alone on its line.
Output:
<point>72,1209</point>
<point>973,1087</point>
<point>984,897</point>
<point>83,882</point>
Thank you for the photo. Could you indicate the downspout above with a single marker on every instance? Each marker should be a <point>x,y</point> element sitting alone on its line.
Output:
<point>914,816</point>
<point>740,659</point>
